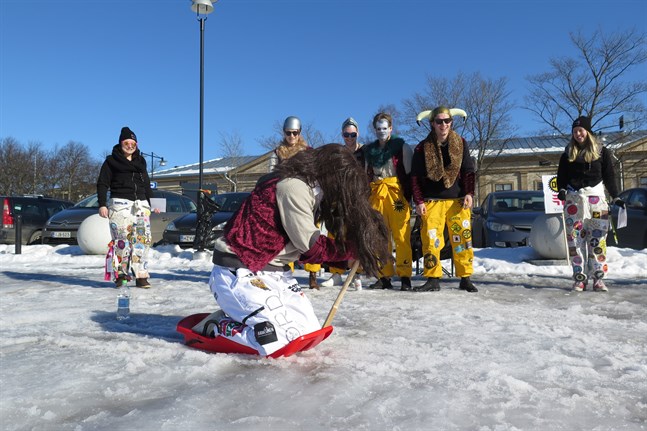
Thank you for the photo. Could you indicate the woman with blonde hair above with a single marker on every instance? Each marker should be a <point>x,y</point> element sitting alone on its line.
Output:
<point>585,169</point>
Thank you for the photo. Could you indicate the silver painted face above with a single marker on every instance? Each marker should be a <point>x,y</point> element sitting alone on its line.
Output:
<point>382,130</point>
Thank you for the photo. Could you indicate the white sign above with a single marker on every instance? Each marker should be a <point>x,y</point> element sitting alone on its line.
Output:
<point>158,203</point>
<point>551,202</point>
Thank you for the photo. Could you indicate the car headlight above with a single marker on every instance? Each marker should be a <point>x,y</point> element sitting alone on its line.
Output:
<point>220,226</point>
<point>171,227</point>
<point>499,227</point>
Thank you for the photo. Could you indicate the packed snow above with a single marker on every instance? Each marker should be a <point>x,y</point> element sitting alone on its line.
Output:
<point>524,353</point>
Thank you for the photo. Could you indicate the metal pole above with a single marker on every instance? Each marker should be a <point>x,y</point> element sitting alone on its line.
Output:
<point>152,166</point>
<point>200,209</point>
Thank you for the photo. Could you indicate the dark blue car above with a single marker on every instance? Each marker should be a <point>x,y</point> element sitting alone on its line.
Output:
<point>505,218</point>
<point>181,231</point>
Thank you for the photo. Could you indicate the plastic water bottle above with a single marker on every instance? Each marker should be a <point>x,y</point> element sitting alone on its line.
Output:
<point>357,282</point>
<point>123,301</point>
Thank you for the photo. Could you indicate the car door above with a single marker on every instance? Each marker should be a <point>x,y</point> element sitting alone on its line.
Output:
<point>634,235</point>
<point>174,209</point>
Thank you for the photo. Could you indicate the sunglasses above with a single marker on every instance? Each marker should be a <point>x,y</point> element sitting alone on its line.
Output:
<point>349,135</point>
<point>291,133</point>
<point>440,121</point>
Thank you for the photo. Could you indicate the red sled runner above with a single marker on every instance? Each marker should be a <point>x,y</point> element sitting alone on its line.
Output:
<point>220,344</point>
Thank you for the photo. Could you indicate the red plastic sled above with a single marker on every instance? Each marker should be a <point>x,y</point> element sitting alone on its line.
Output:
<point>221,344</point>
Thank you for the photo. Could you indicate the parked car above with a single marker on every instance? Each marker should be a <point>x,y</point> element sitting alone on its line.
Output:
<point>62,227</point>
<point>634,235</point>
<point>34,212</point>
<point>182,230</point>
<point>505,218</point>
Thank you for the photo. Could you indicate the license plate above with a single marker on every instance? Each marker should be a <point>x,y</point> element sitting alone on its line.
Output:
<point>187,238</point>
<point>64,234</point>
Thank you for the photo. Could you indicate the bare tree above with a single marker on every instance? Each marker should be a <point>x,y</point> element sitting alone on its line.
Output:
<point>78,171</point>
<point>593,83</point>
<point>488,126</point>
<point>13,167</point>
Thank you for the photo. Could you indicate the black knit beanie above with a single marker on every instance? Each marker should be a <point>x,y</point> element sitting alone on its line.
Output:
<point>584,122</point>
<point>126,133</point>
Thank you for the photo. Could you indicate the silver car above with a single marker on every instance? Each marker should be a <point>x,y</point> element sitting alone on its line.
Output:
<point>61,228</point>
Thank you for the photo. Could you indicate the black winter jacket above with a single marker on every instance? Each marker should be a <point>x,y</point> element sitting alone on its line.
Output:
<point>580,174</point>
<point>126,179</point>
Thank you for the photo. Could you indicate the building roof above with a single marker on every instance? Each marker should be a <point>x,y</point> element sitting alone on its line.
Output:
<point>556,144</point>
<point>214,166</point>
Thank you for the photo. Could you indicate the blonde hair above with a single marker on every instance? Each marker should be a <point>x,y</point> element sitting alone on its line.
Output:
<point>590,149</point>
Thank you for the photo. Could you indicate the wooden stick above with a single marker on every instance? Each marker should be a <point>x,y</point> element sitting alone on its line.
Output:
<point>341,294</point>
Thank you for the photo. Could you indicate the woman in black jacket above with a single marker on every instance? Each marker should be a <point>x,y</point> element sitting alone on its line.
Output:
<point>585,169</point>
<point>124,174</point>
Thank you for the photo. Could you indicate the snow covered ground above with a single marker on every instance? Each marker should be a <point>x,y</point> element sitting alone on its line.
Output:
<point>525,353</point>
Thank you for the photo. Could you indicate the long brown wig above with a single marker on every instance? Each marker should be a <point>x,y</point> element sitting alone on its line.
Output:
<point>345,208</point>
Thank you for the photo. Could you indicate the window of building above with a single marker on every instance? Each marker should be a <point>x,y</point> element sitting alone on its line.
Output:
<point>539,185</point>
<point>643,181</point>
<point>502,187</point>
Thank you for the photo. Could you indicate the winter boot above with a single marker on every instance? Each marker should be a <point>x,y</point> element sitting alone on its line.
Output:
<point>599,286</point>
<point>334,280</point>
<point>406,283</point>
<point>313,281</point>
<point>579,286</point>
<point>143,283</point>
<point>466,284</point>
<point>431,285</point>
<point>122,280</point>
<point>382,283</point>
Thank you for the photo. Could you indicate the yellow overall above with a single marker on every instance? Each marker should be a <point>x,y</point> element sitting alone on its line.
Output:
<point>448,212</point>
<point>388,200</point>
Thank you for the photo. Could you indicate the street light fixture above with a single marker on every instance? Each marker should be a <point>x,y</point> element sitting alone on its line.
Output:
<point>154,156</point>
<point>202,8</point>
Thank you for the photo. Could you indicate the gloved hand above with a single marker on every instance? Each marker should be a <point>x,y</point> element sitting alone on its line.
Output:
<point>561,195</point>
<point>619,202</point>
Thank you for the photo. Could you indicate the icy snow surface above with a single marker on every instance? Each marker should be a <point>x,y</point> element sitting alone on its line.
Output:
<point>524,353</point>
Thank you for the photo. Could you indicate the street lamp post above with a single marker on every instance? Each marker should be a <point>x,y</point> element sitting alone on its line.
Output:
<point>202,8</point>
<point>154,156</point>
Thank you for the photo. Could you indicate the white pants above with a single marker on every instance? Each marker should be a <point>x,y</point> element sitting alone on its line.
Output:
<point>130,229</point>
<point>268,309</point>
<point>587,223</point>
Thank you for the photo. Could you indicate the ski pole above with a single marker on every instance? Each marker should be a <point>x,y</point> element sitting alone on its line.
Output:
<point>340,296</point>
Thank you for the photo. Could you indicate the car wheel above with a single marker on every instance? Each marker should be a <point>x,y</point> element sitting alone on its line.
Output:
<point>35,238</point>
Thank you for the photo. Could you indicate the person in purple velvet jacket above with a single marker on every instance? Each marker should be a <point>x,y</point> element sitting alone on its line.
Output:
<point>278,224</point>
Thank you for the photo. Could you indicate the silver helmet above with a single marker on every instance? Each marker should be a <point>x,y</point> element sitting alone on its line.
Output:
<point>292,123</point>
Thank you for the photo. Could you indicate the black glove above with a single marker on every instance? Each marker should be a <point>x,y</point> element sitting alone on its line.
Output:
<point>619,202</point>
<point>561,195</point>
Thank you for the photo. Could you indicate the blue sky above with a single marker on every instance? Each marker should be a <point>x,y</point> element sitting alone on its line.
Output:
<point>81,69</point>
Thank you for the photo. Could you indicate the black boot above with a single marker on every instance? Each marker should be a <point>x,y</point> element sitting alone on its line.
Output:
<point>381,283</point>
<point>466,284</point>
<point>406,283</point>
<point>431,285</point>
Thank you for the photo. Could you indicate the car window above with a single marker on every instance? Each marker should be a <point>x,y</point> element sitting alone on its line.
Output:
<point>173,204</point>
<point>528,203</point>
<point>189,205</point>
<point>638,199</point>
<point>229,203</point>
<point>90,202</point>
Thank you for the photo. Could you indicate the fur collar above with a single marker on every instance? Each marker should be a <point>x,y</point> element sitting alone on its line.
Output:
<point>285,151</point>
<point>436,169</point>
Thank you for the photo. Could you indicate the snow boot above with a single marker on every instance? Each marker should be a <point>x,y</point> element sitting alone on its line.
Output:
<point>431,285</point>
<point>406,283</point>
<point>599,286</point>
<point>122,280</point>
<point>143,283</point>
<point>313,281</point>
<point>579,286</point>
<point>382,283</point>
<point>466,284</point>
<point>334,280</point>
